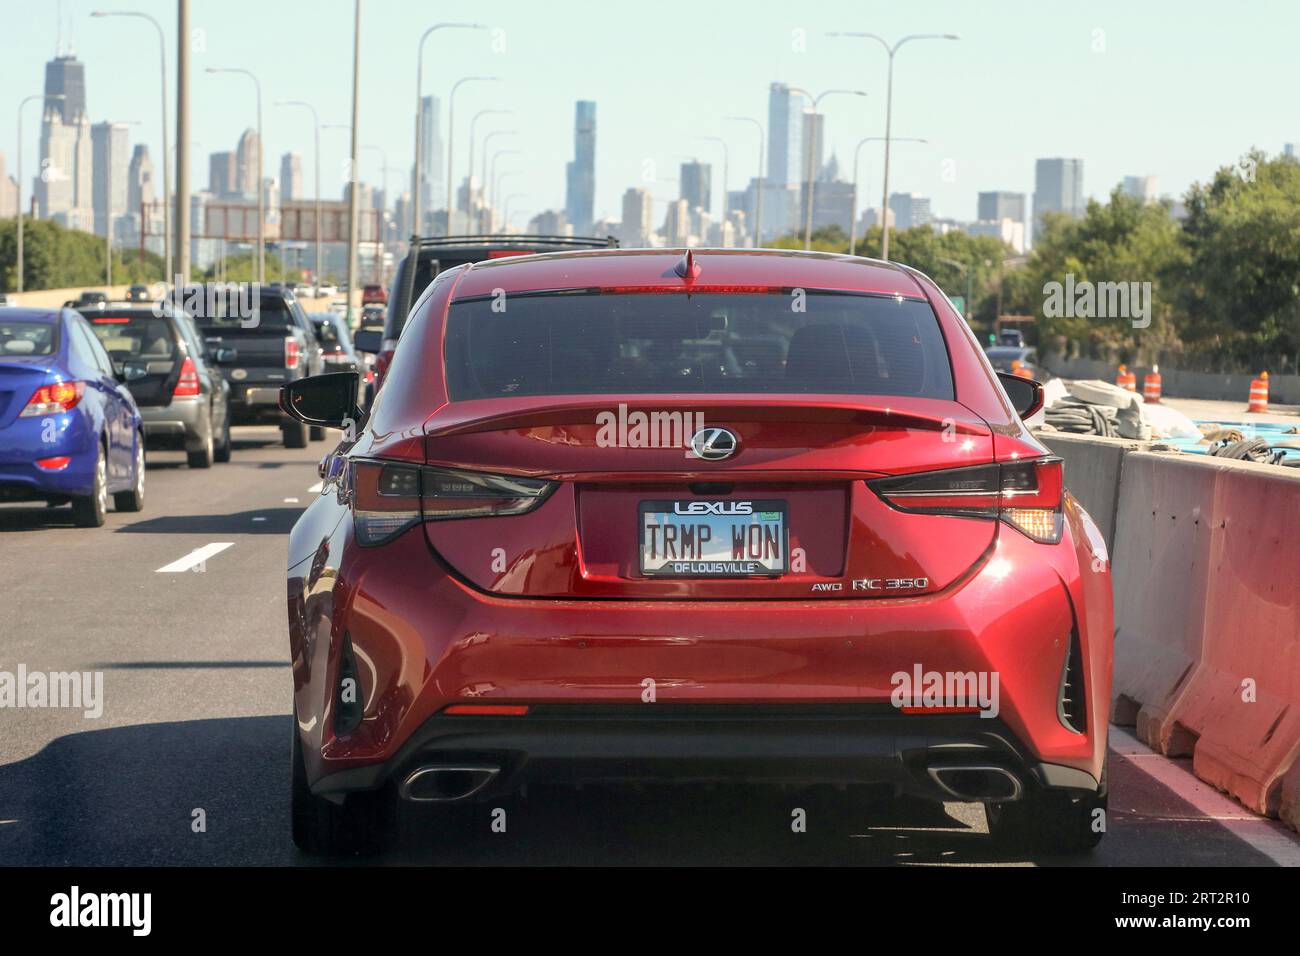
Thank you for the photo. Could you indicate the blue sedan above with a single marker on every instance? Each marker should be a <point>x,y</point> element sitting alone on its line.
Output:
<point>69,429</point>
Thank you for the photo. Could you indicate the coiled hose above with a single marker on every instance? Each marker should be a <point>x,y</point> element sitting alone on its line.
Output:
<point>1083,418</point>
<point>1253,449</point>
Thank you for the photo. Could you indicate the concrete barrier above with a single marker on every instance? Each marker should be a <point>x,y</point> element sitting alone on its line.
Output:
<point>1207,611</point>
<point>1092,472</point>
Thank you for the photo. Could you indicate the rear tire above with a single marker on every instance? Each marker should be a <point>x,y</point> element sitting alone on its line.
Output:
<point>89,511</point>
<point>365,823</point>
<point>133,500</point>
<point>203,457</point>
<point>1050,821</point>
<point>221,453</point>
<point>294,434</point>
<point>317,433</point>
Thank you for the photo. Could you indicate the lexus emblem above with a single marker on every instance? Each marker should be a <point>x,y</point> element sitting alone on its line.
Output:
<point>714,444</point>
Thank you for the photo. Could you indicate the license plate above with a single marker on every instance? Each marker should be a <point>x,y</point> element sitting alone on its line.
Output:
<point>728,539</point>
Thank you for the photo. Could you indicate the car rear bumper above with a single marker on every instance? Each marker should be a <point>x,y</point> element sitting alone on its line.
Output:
<point>966,758</point>
<point>183,419</point>
<point>24,441</point>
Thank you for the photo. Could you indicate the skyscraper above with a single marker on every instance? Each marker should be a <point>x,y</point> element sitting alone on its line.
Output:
<point>784,135</point>
<point>291,177</point>
<point>580,192</point>
<point>64,186</point>
<point>1141,187</point>
<point>1058,187</point>
<point>814,126</point>
<point>637,206</point>
<point>8,193</point>
<point>909,210</point>
<point>221,174</point>
<point>111,160</point>
<point>994,206</point>
<point>696,185</point>
<point>139,179</point>
<point>431,150</point>
<point>247,161</point>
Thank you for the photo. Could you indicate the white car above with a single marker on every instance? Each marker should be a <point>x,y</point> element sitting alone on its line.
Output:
<point>326,290</point>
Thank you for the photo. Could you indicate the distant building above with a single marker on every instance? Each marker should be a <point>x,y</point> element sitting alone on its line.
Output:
<point>64,184</point>
<point>111,162</point>
<point>221,175</point>
<point>635,229</point>
<point>1141,187</point>
<point>8,193</point>
<point>814,126</point>
<point>832,204</point>
<point>291,181</point>
<point>677,224</point>
<point>784,136</point>
<point>247,163</point>
<point>994,206</point>
<point>552,222</point>
<point>696,185</point>
<point>580,191</point>
<point>1010,231</point>
<point>139,179</point>
<point>909,210</point>
<point>1058,187</point>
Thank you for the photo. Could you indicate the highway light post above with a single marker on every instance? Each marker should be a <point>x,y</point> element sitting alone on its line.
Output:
<point>758,203</point>
<point>810,173</point>
<point>259,186</point>
<point>506,215</point>
<point>315,119</point>
<point>469,176</point>
<point>722,232</point>
<point>418,213</point>
<point>451,132</point>
<point>491,179</point>
<point>166,165</point>
<point>487,175</point>
<point>889,109</point>
<point>354,199</point>
<point>19,257</point>
<point>853,225</point>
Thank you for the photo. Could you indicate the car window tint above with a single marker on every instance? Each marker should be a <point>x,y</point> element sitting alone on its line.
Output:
<point>22,337</point>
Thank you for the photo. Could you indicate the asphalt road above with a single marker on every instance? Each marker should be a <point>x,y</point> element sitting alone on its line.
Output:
<point>196,717</point>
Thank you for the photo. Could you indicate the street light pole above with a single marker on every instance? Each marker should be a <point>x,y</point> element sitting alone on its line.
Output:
<point>487,177</point>
<point>506,215</point>
<point>315,118</point>
<point>469,181</point>
<point>261,197</point>
<point>34,96</point>
<point>810,173</point>
<point>451,132</point>
<point>889,109</point>
<point>758,205</point>
<point>418,213</point>
<point>853,226</point>
<point>167,188</point>
<point>491,180</point>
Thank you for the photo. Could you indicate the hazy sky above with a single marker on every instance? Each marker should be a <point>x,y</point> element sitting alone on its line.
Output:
<point>1149,87</point>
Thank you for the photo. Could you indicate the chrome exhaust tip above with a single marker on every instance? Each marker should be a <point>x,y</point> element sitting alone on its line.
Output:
<point>445,783</point>
<point>977,783</point>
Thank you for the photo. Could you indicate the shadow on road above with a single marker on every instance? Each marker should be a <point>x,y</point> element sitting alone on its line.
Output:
<point>277,521</point>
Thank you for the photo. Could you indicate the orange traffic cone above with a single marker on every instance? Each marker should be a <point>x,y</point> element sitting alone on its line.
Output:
<point>1126,379</point>
<point>1258,394</point>
<point>1151,385</point>
<point>1018,369</point>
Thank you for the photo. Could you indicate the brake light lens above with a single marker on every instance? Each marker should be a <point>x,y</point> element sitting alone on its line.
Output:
<point>53,464</point>
<point>54,399</point>
<point>488,710</point>
<point>389,498</point>
<point>292,352</point>
<point>1025,494</point>
<point>187,385</point>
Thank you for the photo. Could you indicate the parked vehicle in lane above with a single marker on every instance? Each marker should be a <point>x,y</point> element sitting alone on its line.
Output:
<point>183,398</point>
<point>268,341</point>
<point>840,499</point>
<point>70,431</point>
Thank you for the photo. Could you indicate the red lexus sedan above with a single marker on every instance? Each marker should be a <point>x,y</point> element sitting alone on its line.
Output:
<point>729,515</point>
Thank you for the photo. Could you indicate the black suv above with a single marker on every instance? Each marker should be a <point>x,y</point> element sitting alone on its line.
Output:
<point>266,341</point>
<point>432,256</point>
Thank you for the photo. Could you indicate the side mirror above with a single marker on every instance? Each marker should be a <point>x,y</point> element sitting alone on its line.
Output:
<point>326,400</point>
<point>1025,394</point>
<point>370,341</point>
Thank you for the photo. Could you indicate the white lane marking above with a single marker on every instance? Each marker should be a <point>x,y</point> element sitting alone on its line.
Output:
<point>290,501</point>
<point>197,556</point>
<point>259,518</point>
<point>314,489</point>
<point>1268,837</point>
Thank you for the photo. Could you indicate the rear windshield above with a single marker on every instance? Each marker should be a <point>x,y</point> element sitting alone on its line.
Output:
<point>224,310</point>
<point>27,338</point>
<point>796,341</point>
<point>135,336</point>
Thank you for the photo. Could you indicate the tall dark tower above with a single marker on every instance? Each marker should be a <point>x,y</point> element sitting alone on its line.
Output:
<point>580,194</point>
<point>66,75</point>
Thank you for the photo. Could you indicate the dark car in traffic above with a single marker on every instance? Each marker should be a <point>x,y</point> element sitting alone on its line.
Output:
<point>183,398</point>
<point>268,341</point>
<point>1019,360</point>
<point>70,431</point>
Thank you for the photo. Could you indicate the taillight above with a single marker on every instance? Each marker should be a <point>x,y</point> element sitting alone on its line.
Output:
<point>187,385</point>
<point>54,399</point>
<point>292,352</point>
<point>388,498</point>
<point>53,464</point>
<point>1025,494</point>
